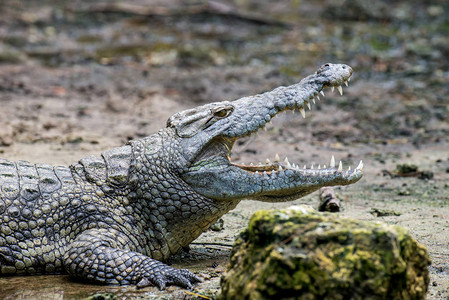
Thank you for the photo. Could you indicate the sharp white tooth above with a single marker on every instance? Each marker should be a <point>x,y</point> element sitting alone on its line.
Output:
<point>276,158</point>
<point>264,129</point>
<point>280,168</point>
<point>349,168</point>
<point>313,100</point>
<point>324,167</point>
<point>340,90</point>
<point>311,166</point>
<point>305,167</point>
<point>257,172</point>
<point>322,93</point>
<point>349,79</point>
<point>340,167</point>
<point>332,89</point>
<point>346,82</point>
<point>308,105</point>
<point>286,160</point>
<point>319,167</point>
<point>268,161</point>
<point>293,166</point>
<point>265,173</point>
<point>260,164</point>
<point>251,164</point>
<point>303,113</point>
<point>332,165</point>
<point>360,166</point>
<point>289,165</point>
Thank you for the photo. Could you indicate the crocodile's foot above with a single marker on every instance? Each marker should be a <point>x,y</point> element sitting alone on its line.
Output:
<point>161,275</point>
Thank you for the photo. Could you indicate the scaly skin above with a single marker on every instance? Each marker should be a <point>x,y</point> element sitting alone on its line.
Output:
<point>113,218</point>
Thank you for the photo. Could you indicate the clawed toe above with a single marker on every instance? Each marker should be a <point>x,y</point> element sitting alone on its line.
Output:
<point>143,283</point>
<point>191,276</point>
<point>170,276</point>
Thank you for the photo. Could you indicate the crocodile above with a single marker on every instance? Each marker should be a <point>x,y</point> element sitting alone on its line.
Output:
<point>117,217</point>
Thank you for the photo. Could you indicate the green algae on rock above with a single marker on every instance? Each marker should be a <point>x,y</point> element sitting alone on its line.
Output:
<point>298,253</point>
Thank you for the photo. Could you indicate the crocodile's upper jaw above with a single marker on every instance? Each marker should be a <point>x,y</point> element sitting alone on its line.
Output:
<point>213,129</point>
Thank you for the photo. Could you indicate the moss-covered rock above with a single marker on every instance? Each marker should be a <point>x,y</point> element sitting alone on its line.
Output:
<point>298,253</point>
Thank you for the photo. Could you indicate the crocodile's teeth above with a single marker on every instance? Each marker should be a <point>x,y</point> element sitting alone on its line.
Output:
<point>322,93</point>
<point>276,158</point>
<point>324,166</point>
<point>340,167</point>
<point>257,172</point>
<point>332,89</point>
<point>308,105</point>
<point>360,166</point>
<point>305,167</point>
<point>311,166</point>
<point>280,168</point>
<point>287,163</point>
<point>313,100</point>
<point>349,168</point>
<point>303,113</point>
<point>340,90</point>
<point>349,79</point>
<point>264,129</point>
<point>332,164</point>
<point>268,161</point>
<point>319,167</point>
<point>346,82</point>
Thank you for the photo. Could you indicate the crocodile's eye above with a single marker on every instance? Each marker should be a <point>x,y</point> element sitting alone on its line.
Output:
<point>221,113</point>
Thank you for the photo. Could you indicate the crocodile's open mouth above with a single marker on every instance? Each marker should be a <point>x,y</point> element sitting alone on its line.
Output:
<point>280,165</point>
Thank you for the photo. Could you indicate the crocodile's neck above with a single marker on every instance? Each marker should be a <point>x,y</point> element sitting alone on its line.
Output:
<point>174,213</point>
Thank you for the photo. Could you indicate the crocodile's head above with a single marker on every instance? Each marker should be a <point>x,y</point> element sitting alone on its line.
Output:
<point>207,134</point>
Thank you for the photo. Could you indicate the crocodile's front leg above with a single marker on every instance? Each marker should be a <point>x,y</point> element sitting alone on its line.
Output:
<point>100,255</point>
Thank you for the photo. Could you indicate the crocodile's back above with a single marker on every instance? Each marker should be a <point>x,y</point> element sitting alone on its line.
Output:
<point>31,223</point>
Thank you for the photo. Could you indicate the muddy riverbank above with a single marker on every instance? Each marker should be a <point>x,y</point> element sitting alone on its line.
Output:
<point>77,78</point>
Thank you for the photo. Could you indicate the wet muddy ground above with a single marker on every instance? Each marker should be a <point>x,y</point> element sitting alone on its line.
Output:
<point>80,77</point>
